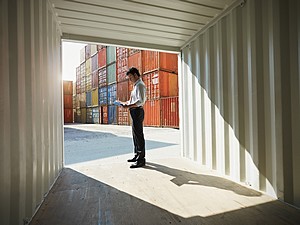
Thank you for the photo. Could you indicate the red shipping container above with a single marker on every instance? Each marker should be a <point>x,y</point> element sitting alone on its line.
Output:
<point>161,84</point>
<point>122,68</point>
<point>68,101</point>
<point>102,58</point>
<point>152,113</point>
<point>170,112</point>
<point>102,77</point>
<point>123,116</point>
<point>68,87</point>
<point>104,115</point>
<point>147,81</point>
<point>68,115</point>
<point>121,52</point>
<point>95,77</point>
<point>153,60</point>
<point>135,60</point>
<point>123,90</point>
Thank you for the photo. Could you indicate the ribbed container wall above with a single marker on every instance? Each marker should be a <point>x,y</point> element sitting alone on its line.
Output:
<point>31,130</point>
<point>111,73</point>
<point>68,101</point>
<point>82,55</point>
<point>110,55</point>
<point>111,93</point>
<point>112,114</point>
<point>95,79</point>
<point>104,115</point>
<point>95,115</point>
<point>161,84</point>
<point>240,81</point>
<point>153,60</point>
<point>94,61</point>
<point>102,57</point>
<point>169,112</point>
<point>135,60</point>
<point>102,78</point>
<point>102,96</point>
<point>152,113</point>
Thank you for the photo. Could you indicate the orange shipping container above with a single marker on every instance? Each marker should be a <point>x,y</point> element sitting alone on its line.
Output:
<point>121,52</point>
<point>122,68</point>
<point>153,60</point>
<point>68,115</point>
<point>169,112</point>
<point>147,81</point>
<point>152,113</point>
<point>161,84</point>
<point>68,87</point>
<point>104,114</point>
<point>68,101</point>
<point>102,58</point>
<point>135,60</point>
<point>123,90</point>
<point>123,116</point>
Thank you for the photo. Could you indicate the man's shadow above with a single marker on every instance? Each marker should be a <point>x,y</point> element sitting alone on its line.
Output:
<point>187,178</point>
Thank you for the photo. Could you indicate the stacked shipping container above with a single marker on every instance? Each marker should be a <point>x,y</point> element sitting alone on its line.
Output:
<point>68,101</point>
<point>103,73</point>
<point>160,75</point>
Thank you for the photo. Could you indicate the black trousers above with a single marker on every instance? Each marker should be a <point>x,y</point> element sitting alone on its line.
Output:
<point>137,117</point>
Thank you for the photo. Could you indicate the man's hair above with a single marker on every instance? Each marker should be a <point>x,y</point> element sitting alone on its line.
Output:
<point>133,71</point>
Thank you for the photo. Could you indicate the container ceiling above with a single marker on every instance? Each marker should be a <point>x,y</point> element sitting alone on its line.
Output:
<point>156,24</point>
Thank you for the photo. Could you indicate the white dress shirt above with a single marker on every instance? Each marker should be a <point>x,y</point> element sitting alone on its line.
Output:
<point>138,94</point>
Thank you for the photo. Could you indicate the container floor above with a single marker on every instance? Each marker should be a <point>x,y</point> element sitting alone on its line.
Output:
<point>168,190</point>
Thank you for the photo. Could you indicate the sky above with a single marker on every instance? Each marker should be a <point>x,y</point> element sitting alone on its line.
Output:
<point>70,59</point>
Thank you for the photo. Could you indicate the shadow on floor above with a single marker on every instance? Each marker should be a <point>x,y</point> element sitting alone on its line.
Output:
<point>76,199</point>
<point>182,177</point>
<point>82,146</point>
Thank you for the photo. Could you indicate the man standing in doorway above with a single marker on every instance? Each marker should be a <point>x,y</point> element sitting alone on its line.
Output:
<point>135,105</point>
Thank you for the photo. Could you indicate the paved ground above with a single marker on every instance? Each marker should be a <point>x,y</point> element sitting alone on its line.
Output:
<point>88,142</point>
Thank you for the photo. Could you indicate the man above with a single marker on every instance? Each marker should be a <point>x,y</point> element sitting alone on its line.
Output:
<point>135,105</point>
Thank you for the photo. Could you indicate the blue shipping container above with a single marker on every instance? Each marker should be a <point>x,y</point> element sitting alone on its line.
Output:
<point>89,98</point>
<point>111,93</point>
<point>102,97</point>
<point>112,114</point>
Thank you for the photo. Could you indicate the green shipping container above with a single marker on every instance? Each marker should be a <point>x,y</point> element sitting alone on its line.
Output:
<point>111,73</point>
<point>110,54</point>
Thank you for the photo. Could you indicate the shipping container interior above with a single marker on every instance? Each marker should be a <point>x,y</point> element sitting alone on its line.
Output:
<point>238,95</point>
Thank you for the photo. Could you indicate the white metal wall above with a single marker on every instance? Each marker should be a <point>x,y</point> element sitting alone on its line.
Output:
<point>240,94</point>
<point>31,131</point>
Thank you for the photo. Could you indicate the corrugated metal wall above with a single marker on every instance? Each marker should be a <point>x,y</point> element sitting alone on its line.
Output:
<point>240,97</point>
<point>31,132</point>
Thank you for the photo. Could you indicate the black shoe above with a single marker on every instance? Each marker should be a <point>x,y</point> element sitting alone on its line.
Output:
<point>139,163</point>
<point>134,159</point>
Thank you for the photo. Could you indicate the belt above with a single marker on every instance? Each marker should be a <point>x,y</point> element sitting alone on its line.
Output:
<point>132,108</point>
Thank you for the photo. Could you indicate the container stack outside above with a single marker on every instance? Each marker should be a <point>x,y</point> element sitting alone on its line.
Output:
<point>122,85</point>
<point>160,75</point>
<point>101,79</point>
<point>68,101</point>
<point>111,84</point>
